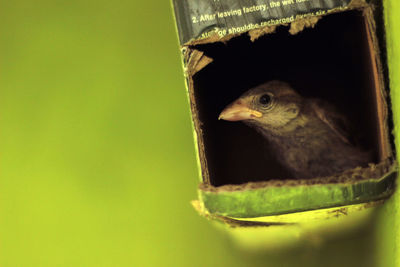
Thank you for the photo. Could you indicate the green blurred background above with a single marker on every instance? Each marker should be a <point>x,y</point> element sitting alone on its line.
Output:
<point>97,158</point>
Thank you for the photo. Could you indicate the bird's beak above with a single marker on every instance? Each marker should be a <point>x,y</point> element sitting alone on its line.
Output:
<point>238,111</point>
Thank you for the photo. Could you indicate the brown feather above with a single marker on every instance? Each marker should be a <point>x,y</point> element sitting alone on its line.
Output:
<point>332,118</point>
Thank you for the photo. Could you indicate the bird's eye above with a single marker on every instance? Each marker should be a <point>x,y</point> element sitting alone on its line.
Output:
<point>265,99</point>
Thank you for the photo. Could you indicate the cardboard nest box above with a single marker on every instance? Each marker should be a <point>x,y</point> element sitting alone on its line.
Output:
<point>327,49</point>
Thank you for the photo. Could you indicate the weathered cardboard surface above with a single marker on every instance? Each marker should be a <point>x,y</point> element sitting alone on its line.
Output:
<point>219,20</point>
<point>197,19</point>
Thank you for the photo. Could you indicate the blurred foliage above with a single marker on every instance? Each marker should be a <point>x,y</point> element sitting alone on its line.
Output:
<point>97,157</point>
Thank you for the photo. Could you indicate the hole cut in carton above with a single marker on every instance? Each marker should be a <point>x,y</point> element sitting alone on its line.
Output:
<point>334,61</point>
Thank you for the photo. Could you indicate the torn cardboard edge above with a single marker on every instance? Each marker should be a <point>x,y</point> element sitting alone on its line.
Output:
<point>296,26</point>
<point>196,60</point>
<point>382,107</point>
<point>373,171</point>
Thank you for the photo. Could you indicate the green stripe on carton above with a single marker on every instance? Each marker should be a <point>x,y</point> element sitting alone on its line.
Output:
<point>276,200</point>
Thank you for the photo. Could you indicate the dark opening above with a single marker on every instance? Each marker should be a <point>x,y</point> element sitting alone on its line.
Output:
<point>330,61</point>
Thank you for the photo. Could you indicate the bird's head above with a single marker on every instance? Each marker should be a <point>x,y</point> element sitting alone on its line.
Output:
<point>272,106</point>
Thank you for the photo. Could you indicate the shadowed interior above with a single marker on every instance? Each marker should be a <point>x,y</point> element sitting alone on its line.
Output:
<point>331,61</point>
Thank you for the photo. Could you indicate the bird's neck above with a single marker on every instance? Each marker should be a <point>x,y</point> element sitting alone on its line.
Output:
<point>292,133</point>
<point>293,127</point>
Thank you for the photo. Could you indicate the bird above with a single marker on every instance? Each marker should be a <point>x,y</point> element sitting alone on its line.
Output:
<point>308,136</point>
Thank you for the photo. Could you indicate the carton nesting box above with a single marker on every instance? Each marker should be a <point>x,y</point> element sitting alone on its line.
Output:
<point>325,49</point>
